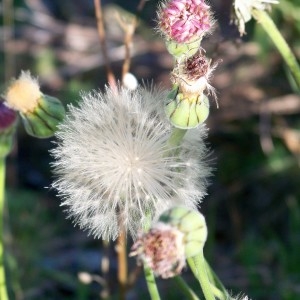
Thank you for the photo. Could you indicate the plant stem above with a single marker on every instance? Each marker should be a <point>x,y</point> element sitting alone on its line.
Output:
<point>105,264</point>
<point>176,137</point>
<point>271,29</point>
<point>188,292</point>
<point>219,287</point>
<point>151,284</point>
<point>122,264</point>
<point>197,264</point>
<point>3,290</point>
<point>99,17</point>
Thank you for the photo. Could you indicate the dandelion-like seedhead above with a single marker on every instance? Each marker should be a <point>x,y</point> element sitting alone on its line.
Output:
<point>184,20</point>
<point>243,11</point>
<point>114,166</point>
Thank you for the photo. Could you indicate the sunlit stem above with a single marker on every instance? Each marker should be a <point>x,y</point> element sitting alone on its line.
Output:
<point>271,29</point>
<point>3,290</point>
<point>198,266</point>
<point>122,263</point>
<point>151,284</point>
<point>188,292</point>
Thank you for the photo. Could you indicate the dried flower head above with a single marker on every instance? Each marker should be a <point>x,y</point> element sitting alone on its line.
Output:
<point>162,250</point>
<point>243,11</point>
<point>193,75</point>
<point>185,20</point>
<point>115,167</point>
<point>23,93</point>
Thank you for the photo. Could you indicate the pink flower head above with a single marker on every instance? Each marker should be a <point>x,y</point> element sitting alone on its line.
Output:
<point>185,20</point>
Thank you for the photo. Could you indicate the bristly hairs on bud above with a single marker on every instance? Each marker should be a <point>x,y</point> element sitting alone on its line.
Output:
<point>184,21</point>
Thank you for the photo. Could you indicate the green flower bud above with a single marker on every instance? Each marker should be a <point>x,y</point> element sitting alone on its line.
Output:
<point>186,49</point>
<point>8,122</point>
<point>193,226</point>
<point>40,113</point>
<point>187,112</point>
<point>45,117</point>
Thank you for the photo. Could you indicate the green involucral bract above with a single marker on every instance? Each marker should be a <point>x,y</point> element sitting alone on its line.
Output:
<point>6,140</point>
<point>43,121</point>
<point>187,112</point>
<point>192,224</point>
<point>178,50</point>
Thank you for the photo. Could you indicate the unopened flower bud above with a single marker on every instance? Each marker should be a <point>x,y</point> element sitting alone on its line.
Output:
<point>193,226</point>
<point>40,113</point>
<point>8,121</point>
<point>187,111</point>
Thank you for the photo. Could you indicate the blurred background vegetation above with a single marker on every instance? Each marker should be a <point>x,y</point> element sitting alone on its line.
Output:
<point>252,208</point>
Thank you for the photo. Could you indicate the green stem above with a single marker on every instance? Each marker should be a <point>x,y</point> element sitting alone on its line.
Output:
<point>188,292</point>
<point>197,264</point>
<point>3,291</point>
<point>219,289</point>
<point>176,137</point>
<point>271,29</point>
<point>151,284</point>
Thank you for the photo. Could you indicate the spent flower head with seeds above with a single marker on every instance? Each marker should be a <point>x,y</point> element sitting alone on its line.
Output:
<point>193,74</point>
<point>114,165</point>
<point>184,20</point>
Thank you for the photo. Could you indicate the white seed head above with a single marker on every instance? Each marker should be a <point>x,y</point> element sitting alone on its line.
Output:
<point>113,165</point>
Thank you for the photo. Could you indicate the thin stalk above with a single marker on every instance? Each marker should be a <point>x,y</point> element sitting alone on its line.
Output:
<point>197,264</point>
<point>122,264</point>
<point>105,263</point>
<point>188,292</point>
<point>129,29</point>
<point>217,282</point>
<point>271,29</point>
<point>100,26</point>
<point>151,284</point>
<point>8,36</point>
<point>3,290</point>
<point>176,137</point>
